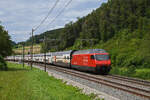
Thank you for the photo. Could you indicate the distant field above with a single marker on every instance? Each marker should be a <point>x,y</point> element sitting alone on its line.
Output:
<point>23,84</point>
<point>36,49</point>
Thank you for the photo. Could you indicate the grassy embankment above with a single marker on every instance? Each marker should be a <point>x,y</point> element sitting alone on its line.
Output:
<point>23,84</point>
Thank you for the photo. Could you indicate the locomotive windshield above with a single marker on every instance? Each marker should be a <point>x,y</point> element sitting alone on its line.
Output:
<point>101,57</point>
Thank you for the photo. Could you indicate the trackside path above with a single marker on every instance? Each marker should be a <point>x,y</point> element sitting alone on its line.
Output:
<point>23,84</point>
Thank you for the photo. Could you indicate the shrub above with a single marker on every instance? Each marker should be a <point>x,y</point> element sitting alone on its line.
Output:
<point>3,65</point>
<point>131,70</point>
<point>143,73</point>
<point>115,70</point>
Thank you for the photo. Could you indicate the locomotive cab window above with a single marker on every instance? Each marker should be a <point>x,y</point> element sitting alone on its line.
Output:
<point>102,57</point>
<point>92,57</point>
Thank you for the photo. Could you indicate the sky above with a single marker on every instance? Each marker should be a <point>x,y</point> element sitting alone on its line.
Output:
<point>19,16</point>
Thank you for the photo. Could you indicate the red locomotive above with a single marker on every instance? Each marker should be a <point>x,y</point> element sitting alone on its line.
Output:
<point>96,60</point>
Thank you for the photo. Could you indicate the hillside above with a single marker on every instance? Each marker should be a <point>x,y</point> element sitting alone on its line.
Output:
<point>38,42</point>
<point>122,27</point>
<point>112,18</point>
<point>52,34</point>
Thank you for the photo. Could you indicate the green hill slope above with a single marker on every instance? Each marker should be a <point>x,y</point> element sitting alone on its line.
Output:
<point>110,19</point>
<point>52,34</point>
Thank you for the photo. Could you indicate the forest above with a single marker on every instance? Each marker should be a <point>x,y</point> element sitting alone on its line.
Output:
<point>122,27</point>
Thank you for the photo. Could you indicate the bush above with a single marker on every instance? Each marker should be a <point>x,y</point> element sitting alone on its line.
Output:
<point>131,70</point>
<point>124,71</point>
<point>143,73</point>
<point>115,70</point>
<point>3,65</point>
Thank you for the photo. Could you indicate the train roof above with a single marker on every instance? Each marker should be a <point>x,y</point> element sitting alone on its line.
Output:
<point>90,51</point>
<point>61,53</point>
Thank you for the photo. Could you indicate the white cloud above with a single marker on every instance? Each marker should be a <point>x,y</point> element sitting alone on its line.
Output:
<point>20,16</point>
<point>75,13</point>
<point>20,32</point>
<point>1,13</point>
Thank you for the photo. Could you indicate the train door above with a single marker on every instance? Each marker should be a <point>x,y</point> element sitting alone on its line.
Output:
<point>92,61</point>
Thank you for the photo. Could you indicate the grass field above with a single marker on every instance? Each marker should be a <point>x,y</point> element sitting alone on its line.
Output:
<point>23,84</point>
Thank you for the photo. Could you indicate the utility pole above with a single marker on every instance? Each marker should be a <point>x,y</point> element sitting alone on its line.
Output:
<point>14,57</point>
<point>32,50</point>
<point>23,55</point>
<point>45,45</point>
<point>45,41</point>
<point>45,52</point>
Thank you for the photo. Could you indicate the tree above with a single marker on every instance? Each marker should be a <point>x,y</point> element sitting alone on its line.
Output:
<point>5,47</point>
<point>5,43</point>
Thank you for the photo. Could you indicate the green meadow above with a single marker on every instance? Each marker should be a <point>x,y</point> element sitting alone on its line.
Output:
<point>20,83</point>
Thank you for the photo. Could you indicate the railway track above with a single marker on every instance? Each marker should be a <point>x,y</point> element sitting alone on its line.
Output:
<point>132,80</point>
<point>110,80</point>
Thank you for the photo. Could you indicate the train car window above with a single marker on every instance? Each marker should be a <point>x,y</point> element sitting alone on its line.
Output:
<point>92,56</point>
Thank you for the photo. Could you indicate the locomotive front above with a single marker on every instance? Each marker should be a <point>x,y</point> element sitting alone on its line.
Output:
<point>103,62</point>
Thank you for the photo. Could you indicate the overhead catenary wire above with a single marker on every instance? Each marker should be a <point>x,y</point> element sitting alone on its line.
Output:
<point>61,11</point>
<point>51,23</point>
<point>50,11</point>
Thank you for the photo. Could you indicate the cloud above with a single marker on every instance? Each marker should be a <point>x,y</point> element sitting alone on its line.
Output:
<point>76,13</point>
<point>1,13</point>
<point>20,16</point>
<point>20,35</point>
